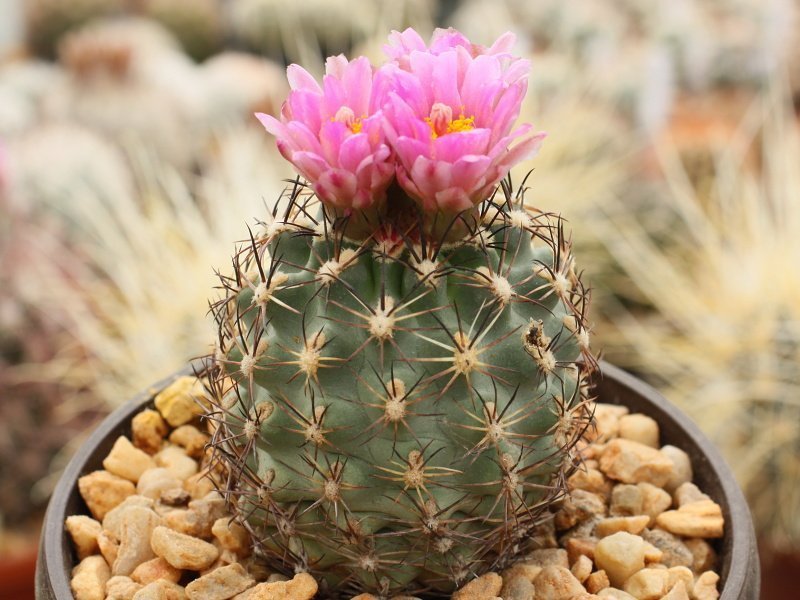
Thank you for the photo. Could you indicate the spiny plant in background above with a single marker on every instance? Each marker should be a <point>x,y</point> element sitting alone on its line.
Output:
<point>717,297</point>
<point>402,352</point>
<point>198,24</point>
<point>48,20</point>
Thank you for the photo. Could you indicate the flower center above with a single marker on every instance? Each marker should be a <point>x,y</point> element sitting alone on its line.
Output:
<point>441,121</point>
<point>346,115</point>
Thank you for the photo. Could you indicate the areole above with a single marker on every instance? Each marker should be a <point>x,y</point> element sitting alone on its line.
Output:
<point>739,565</point>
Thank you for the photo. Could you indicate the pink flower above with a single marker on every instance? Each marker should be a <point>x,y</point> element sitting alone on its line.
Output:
<point>334,135</point>
<point>450,116</point>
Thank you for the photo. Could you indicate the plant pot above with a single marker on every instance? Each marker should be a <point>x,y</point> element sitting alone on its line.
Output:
<point>738,568</point>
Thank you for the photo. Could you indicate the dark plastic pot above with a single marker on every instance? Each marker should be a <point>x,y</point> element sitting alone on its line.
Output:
<point>738,553</point>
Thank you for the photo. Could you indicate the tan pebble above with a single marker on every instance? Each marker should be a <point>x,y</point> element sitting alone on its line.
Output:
<point>121,587</point>
<point>181,401</point>
<point>639,428</point>
<point>653,554</point>
<point>175,497</point>
<point>517,588</point>
<point>578,507</point>
<point>631,462</point>
<point>191,439</point>
<point>626,500</point>
<point>677,592</point>
<point>704,556</point>
<point>188,522</point>
<point>112,522</point>
<point>654,501</point>
<point>682,467</point>
<point>148,429</point>
<point>161,590</point>
<point>127,461</point>
<point>102,491</point>
<point>620,555</point>
<point>175,460</point>
<point>182,551</point>
<point>547,557</point>
<point>614,594</point>
<point>681,574</point>
<point>577,547</point>
<point>701,519</point>
<point>84,531</point>
<point>544,535</point>
<point>155,569</point>
<point>89,579</point>
<point>583,596</point>
<point>597,581</point>
<point>705,587</point>
<point>556,583</point>
<point>277,577</point>
<point>199,485</point>
<point>606,421</point>
<point>648,584</point>
<point>485,587</point>
<point>301,587</point>
<point>521,569</point>
<point>231,536</point>
<point>364,597</point>
<point>635,525</point>
<point>155,482</point>
<point>220,584</point>
<point>212,505</point>
<point>582,568</point>
<point>108,545</point>
<point>590,480</point>
<point>687,493</point>
<point>138,524</point>
<point>674,551</point>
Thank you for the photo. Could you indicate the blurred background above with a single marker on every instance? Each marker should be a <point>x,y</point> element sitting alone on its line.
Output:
<point>130,163</point>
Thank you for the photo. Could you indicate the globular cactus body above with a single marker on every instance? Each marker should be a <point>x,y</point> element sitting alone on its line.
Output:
<point>400,372</point>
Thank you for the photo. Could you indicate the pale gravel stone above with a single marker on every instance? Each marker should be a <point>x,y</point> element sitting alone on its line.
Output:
<point>582,568</point>
<point>220,584</point>
<point>639,428</point>
<point>521,569</point>
<point>155,482</point>
<point>137,526</point>
<point>675,552</point>
<point>682,472</point>
<point>704,556</point>
<point>677,592</point>
<point>89,579</point>
<point>517,588</point>
<point>113,519</point>
<point>175,460</point>
<point>705,586</point>
<point>597,581</point>
<point>631,462</point>
<point>648,584</point>
<point>182,551</point>
<point>688,493</point>
<point>578,507</point>
<point>108,545</point>
<point>188,522</point>
<point>577,546</point>
<point>606,418</point>
<point>614,594</point>
<point>548,557</point>
<point>626,500</point>
<point>654,501</point>
<point>301,587</point>
<point>191,439</point>
<point>702,519</point>
<point>611,525</point>
<point>175,497</point>
<point>148,429</point>
<point>84,531</point>
<point>102,491</point>
<point>121,587</point>
<point>161,590</point>
<point>681,574</point>
<point>590,480</point>
<point>556,583</point>
<point>232,536</point>
<point>179,403</point>
<point>155,569</point>
<point>127,461</point>
<point>199,485</point>
<point>620,556</point>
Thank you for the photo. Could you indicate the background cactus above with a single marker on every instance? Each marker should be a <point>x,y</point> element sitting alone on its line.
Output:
<point>198,24</point>
<point>400,371</point>
<point>48,20</point>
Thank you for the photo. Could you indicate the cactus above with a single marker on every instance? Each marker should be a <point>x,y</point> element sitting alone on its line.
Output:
<point>402,350</point>
<point>48,20</point>
<point>196,23</point>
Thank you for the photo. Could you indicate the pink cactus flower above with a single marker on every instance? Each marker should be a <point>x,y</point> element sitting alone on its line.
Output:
<point>334,135</point>
<point>450,116</point>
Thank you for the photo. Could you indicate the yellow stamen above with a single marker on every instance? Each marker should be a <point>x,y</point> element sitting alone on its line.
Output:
<point>441,121</point>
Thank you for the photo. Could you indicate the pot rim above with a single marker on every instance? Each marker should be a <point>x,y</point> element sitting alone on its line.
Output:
<point>740,571</point>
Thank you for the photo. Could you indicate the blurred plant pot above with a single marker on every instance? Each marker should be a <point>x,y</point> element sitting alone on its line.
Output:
<point>17,573</point>
<point>739,566</point>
